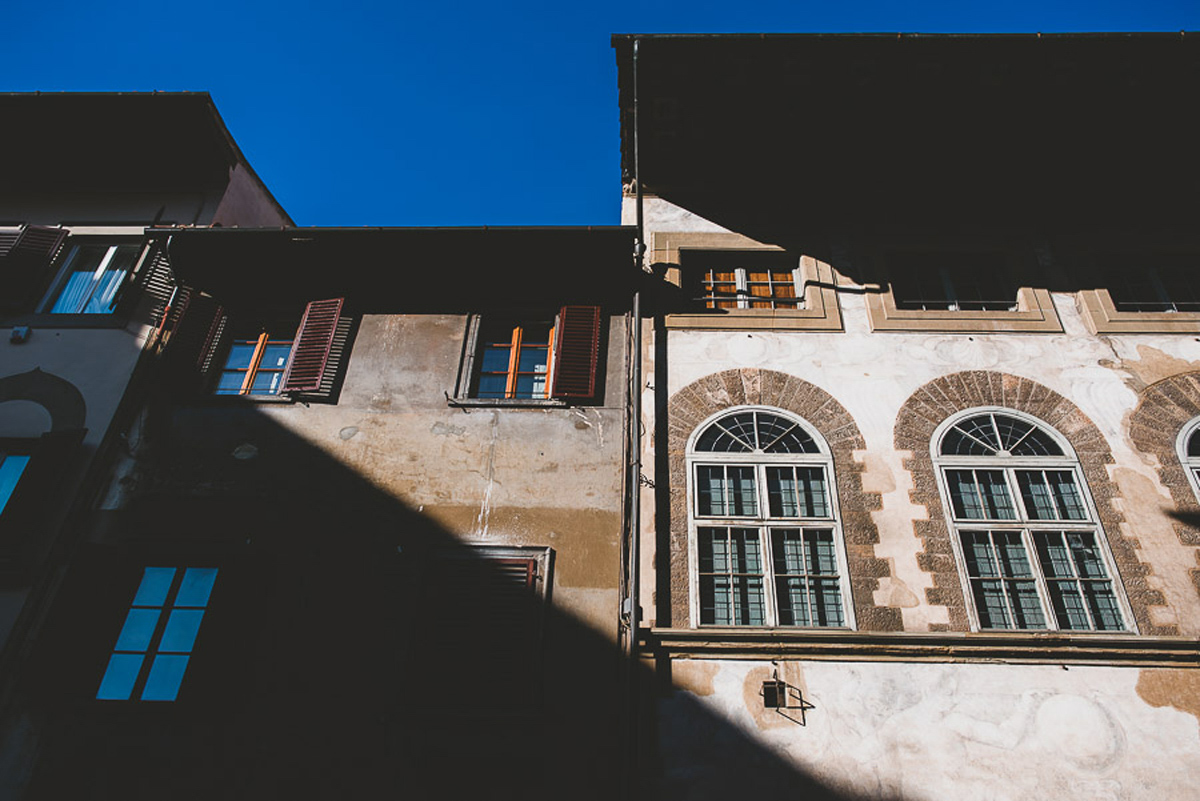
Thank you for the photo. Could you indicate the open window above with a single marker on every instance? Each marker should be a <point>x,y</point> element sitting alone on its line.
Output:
<point>267,356</point>
<point>532,357</point>
<point>92,277</point>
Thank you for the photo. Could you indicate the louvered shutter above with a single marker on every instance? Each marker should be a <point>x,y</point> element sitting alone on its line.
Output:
<point>194,338</point>
<point>157,282</point>
<point>576,351</point>
<point>491,607</point>
<point>40,494</point>
<point>27,263</point>
<point>7,240</point>
<point>314,341</point>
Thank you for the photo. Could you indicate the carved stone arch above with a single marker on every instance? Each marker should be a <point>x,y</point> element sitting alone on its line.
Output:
<point>926,408</point>
<point>1163,409</point>
<point>701,399</point>
<point>58,396</point>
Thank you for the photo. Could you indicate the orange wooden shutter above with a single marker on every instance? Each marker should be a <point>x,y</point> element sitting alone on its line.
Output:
<point>195,336</point>
<point>314,340</point>
<point>576,351</point>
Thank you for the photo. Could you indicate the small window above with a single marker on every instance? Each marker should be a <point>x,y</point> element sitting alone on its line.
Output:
<point>533,357</point>
<point>91,278</point>
<point>747,280</point>
<point>1032,552</point>
<point>256,365</point>
<point>12,466</point>
<point>152,651</point>
<point>952,281</point>
<point>768,543</point>
<point>207,350</point>
<point>1158,283</point>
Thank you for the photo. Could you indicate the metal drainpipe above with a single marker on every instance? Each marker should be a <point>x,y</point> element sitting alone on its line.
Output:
<point>635,433</point>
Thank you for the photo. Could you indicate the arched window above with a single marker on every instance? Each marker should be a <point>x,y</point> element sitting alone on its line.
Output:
<point>1025,528</point>
<point>1188,446</point>
<point>767,546</point>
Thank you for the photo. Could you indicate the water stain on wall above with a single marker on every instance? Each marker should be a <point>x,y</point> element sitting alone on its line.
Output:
<point>1178,689</point>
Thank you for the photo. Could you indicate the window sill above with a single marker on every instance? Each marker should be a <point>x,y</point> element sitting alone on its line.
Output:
<point>515,403</point>
<point>1101,316</point>
<point>1013,647</point>
<point>1035,314</point>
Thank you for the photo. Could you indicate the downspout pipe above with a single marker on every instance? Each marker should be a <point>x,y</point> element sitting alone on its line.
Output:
<point>635,436</point>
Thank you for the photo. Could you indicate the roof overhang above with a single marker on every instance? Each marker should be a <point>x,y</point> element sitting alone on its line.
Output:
<point>116,142</point>
<point>803,132</point>
<point>407,269</point>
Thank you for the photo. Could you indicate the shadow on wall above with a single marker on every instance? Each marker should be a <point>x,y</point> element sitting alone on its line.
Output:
<point>338,655</point>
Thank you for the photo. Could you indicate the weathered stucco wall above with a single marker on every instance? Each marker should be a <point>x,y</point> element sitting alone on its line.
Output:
<point>935,732</point>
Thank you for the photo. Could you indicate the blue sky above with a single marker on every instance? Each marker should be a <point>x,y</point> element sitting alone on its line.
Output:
<point>465,113</point>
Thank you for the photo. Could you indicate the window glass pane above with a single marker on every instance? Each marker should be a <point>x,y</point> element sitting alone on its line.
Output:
<point>180,633</point>
<point>1067,602</point>
<point>827,602</point>
<point>156,582</point>
<point>138,629</point>
<point>821,554</point>
<point>104,292</point>
<point>814,498</point>
<point>714,554</point>
<point>791,596</point>
<point>275,356</point>
<point>744,501</point>
<point>266,383</point>
<point>989,602</point>
<point>11,468</point>
<point>1193,443</point>
<point>779,435</point>
<point>1086,556</point>
<point>240,355</point>
<point>166,674</point>
<point>1027,609</point>
<point>978,552</point>
<point>710,490</point>
<point>964,495</point>
<point>781,492</point>
<point>119,678</point>
<point>747,553</point>
<point>1067,497</point>
<point>495,359</point>
<point>196,586</point>
<point>492,386</point>
<point>1014,562</point>
<point>1039,504</point>
<point>533,360</point>
<point>749,606</point>
<point>998,503</point>
<point>230,383</point>
<point>1103,604</point>
<point>716,606</point>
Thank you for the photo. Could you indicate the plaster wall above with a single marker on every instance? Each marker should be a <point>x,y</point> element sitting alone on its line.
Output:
<point>872,374</point>
<point>935,731</point>
<point>487,475</point>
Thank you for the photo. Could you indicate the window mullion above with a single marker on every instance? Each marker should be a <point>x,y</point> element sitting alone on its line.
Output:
<point>742,287</point>
<point>252,368</point>
<point>514,360</point>
<point>1039,577</point>
<point>768,576</point>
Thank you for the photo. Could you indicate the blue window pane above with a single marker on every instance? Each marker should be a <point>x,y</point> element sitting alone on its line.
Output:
<point>138,629</point>
<point>266,383</point>
<point>533,360</point>
<point>240,354</point>
<point>492,386</point>
<point>275,356</point>
<point>120,677</point>
<point>196,587</point>
<point>10,472</point>
<point>180,633</point>
<point>166,674</point>
<point>156,581</point>
<point>495,359</point>
<point>230,383</point>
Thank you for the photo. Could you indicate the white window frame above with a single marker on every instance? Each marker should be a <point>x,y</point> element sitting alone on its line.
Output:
<point>763,522</point>
<point>1023,523</point>
<point>1191,464</point>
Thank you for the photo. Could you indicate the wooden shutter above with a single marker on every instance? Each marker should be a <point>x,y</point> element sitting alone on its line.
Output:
<point>195,338</point>
<point>576,351</point>
<point>39,496</point>
<point>157,282</point>
<point>27,263</point>
<point>314,340</point>
<point>7,240</point>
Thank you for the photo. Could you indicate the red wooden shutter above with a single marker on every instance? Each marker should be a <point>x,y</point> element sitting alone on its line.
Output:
<point>576,350</point>
<point>195,337</point>
<point>27,263</point>
<point>314,340</point>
